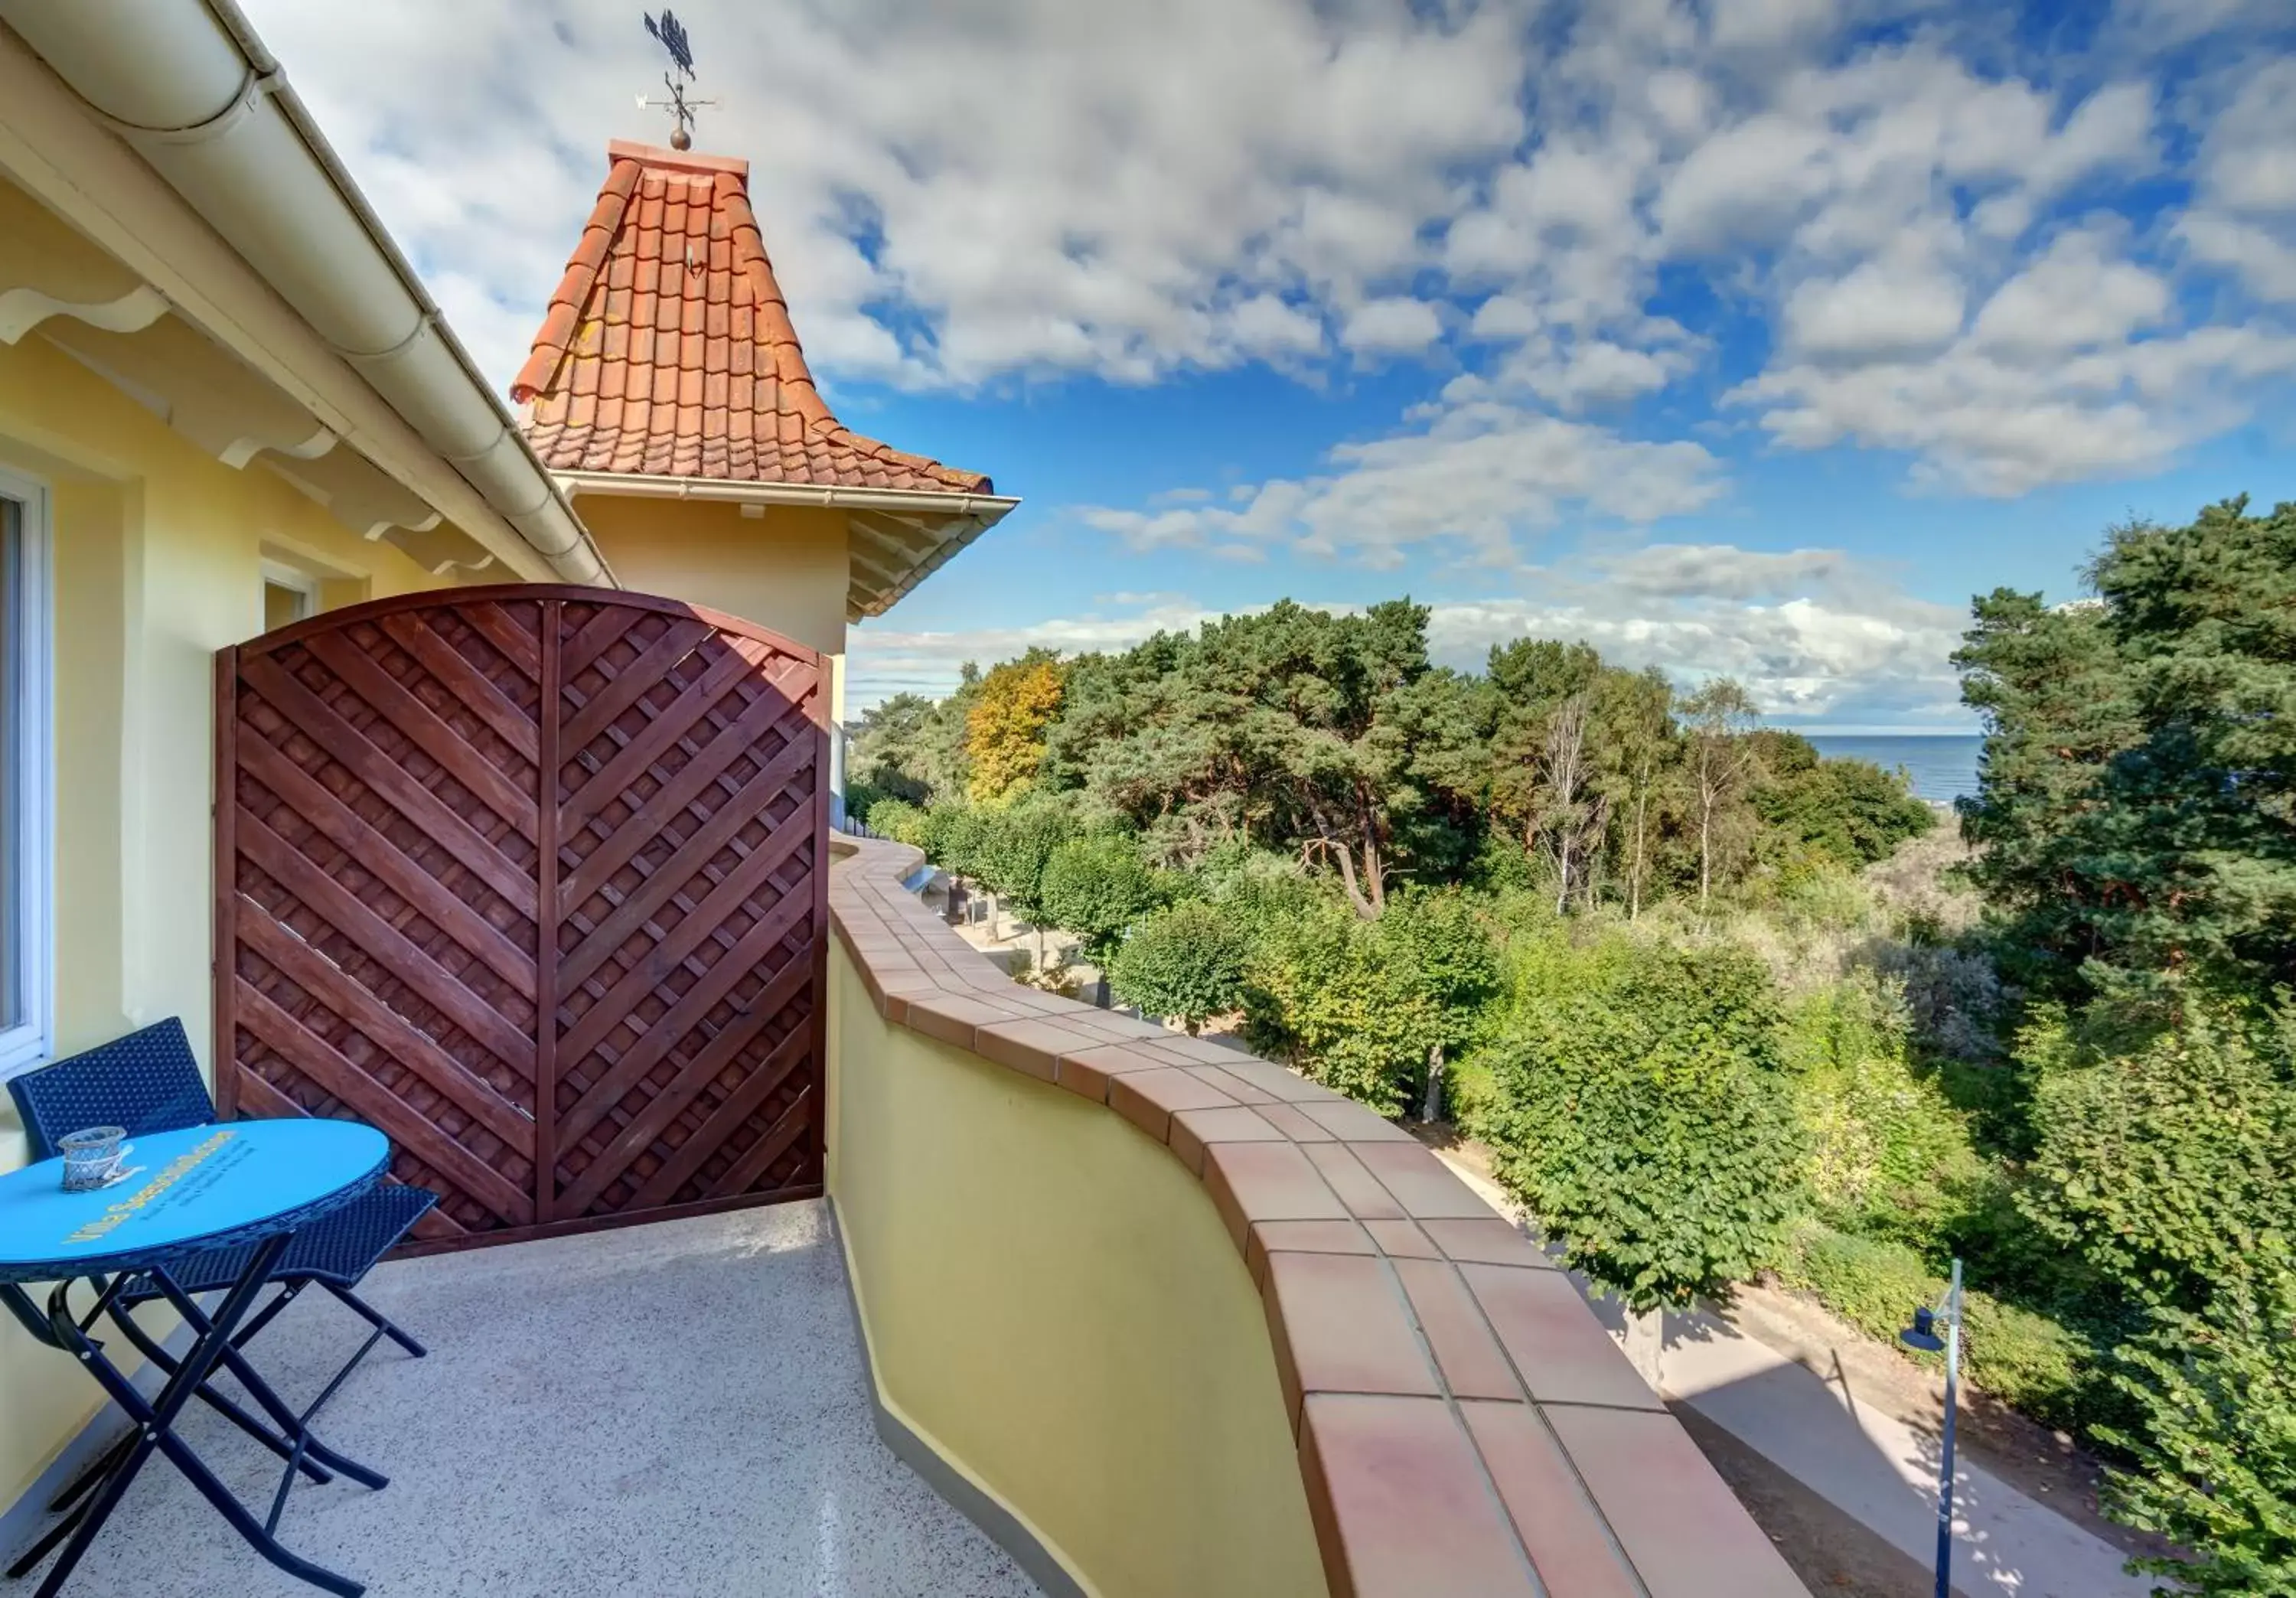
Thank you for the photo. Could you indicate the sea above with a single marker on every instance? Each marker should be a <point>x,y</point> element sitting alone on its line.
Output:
<point>1943,767</point>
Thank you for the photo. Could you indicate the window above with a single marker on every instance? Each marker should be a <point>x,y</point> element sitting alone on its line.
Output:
<point>24,774</point>
<point>288,595</point>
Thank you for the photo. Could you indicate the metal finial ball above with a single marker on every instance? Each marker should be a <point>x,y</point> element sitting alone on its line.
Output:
<point>679,139</point>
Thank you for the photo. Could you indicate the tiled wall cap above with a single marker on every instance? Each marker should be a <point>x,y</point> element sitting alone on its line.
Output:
<point>1464,1424</point>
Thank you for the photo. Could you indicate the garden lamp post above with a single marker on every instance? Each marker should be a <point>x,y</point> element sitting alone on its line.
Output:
<point>1922,1334</point>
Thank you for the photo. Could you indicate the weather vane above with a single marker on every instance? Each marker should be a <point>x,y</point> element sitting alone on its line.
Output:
<point>671,33</point>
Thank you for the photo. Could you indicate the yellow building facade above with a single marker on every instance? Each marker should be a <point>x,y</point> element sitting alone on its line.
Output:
<point>145,556</point>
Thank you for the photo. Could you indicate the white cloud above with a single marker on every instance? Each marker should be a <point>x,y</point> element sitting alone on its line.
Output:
<point>2264,259</point>
<point>2081,292</point>
<point>2111,129</point>
<point>1768,23</point>
<point>1504,317</point>
<point>1877,309</point>
<point>1474,477</point>
<point>2245,222</point>
<point>2158,24</point>
<point>883,660</point>
<point>1400,326</point>
<point>1577,373</point>
<point>1265,325</point>
<point>1984,422</point>
<point>1744,183</point>
<point>2074,367</point>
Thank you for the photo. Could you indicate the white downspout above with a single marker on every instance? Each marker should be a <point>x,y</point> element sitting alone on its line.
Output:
<point>188,83</point>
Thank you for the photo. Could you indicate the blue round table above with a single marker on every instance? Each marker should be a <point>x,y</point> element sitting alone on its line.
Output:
<point>220,1186</point>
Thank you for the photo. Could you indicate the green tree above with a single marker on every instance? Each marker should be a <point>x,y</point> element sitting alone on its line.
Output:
<point>2053,695</point>
<point>1097,886</point>
<point>1542,750</point>
<point>2170,1164</point>
<point>1184,961</point>
<point>1644,1120</point>
<point>1892,1158</point>
<point>2136,829</point>
<point>1449,962</point>
<point>1633,760</point>
<point>1718,765</point>
<point>955,836</point>
<point>1295,729</point>
<point>2200,827</point>
<point>2138,796</point>
<point>1013,846</point>
<point>2214,1460</point>
<point>1849,812</point>
<point>1318,993</point>
<point>886,748</point>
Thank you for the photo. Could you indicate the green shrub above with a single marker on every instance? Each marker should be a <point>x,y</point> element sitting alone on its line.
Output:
<point>2214,1449</point>
<point>1642,1116</point>
<point>1850,812</point>
<point>898,820</point>
<point>1322,991</point>
<point>1255,890</point>
<point>861,798</point>
<point>1184,960</point>
<point>1358,1005</point>
<point>2042,1369</point>
<point>1892,1159</point>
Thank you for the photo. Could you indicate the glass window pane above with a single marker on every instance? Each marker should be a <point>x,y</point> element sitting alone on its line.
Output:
<point>11,765</point>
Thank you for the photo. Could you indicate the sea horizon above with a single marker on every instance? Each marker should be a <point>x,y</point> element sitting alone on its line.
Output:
<point>1941,766</point>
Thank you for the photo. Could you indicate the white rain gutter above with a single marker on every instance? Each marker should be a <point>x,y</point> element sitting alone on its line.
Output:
<point>984,509</point>
<point>189,85</point>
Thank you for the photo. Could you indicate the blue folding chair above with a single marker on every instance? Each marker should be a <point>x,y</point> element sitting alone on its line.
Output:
<point>149,1081</point>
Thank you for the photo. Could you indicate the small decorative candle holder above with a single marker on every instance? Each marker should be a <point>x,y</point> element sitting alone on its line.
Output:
<point>93,1156</point>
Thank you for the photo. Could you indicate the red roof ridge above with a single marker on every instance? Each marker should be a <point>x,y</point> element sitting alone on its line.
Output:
<point>668,349</point>
<point>676,160</point>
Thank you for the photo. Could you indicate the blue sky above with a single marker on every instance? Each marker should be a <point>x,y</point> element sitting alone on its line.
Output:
<point>1732,335</point>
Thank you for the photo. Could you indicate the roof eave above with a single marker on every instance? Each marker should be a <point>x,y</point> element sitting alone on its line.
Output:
<point>960,517</point>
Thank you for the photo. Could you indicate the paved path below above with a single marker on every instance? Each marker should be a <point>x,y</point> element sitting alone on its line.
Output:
<point>1878,1469</point>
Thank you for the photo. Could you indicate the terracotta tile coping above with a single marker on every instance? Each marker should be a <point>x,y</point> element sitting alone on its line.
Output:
<point>1464,1425</point>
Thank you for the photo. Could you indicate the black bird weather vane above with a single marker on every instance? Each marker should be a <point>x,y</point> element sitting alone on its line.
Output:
<point>671,34</point>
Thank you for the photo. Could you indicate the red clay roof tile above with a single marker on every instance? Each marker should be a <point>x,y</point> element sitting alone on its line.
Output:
<point>669,282</point>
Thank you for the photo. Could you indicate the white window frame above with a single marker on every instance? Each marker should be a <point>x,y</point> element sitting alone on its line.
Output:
<point>31,765</point>
<point>279,574</point>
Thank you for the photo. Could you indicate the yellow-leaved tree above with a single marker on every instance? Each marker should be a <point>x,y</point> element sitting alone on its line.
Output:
<point>1004,733</point>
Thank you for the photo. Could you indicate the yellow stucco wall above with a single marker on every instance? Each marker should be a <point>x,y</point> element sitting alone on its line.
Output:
<point>786,570</point>
<point>1052,1304</point>
<point>156,550</point>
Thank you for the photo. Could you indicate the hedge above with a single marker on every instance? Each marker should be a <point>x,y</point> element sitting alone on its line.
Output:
<point>2042,1369</point>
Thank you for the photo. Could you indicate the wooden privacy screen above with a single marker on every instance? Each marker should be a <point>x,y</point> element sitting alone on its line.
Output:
<point>534,879</point>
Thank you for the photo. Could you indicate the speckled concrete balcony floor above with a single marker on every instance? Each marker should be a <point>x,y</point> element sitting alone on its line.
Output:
<point>663,1410</point>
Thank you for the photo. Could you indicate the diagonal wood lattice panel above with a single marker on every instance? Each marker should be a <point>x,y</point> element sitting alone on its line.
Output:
<point>689,921</point>
<point>532,879</point>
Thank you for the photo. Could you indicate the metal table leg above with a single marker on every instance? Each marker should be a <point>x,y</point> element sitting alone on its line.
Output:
<point>296,1427</point>
<point>156,1420</point>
